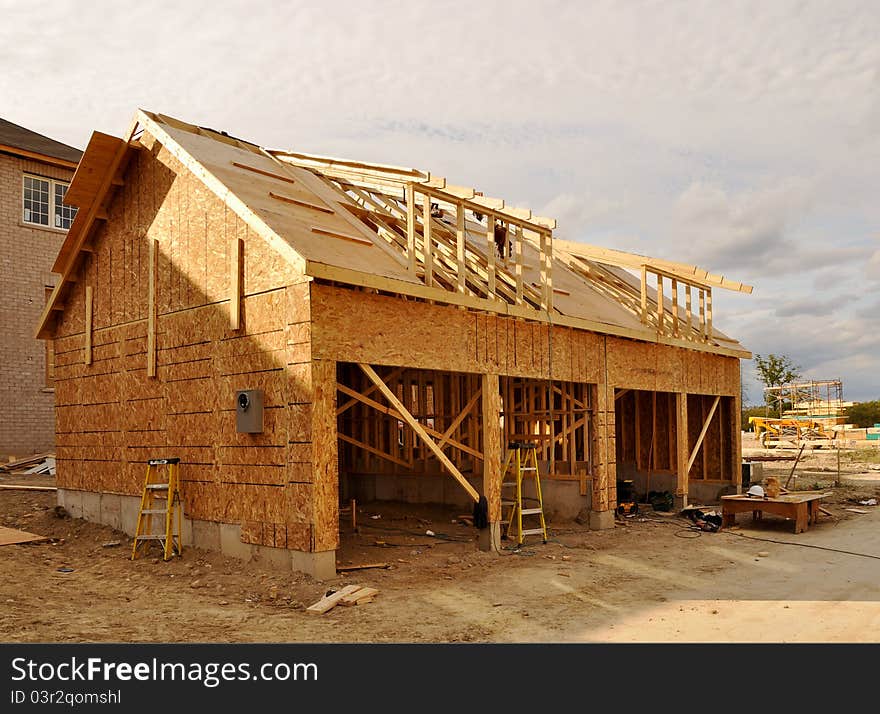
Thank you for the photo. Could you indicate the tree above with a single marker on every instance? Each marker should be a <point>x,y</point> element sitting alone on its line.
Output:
<point>774,371</point>
<point>864,414</point>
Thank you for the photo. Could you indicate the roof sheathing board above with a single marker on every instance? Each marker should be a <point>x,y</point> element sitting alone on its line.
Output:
<point>290,217</point>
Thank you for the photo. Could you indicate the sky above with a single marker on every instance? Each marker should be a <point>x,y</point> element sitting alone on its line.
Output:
<point>743,137</point>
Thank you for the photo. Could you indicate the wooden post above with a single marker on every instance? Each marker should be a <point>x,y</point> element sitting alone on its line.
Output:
<point>490,253</point>
<point>687,311</point>
<point>325,458</point>
<point>235,251</point>
<point>427,234</point>
<point>460,247</point>
<point>660,305</point>
<point>736,403</point>
<point>683,450</point>
<point>709,313</point>
<point>88,342</point>
<point>151,308</point>
<point>675,307</point>
<point>702,314</point>
<point>411,227</point>
<point>518,270</point>
<point>542,262</point>
<point>644,294</point>
<point>548,277</point>
<point>492,455</point>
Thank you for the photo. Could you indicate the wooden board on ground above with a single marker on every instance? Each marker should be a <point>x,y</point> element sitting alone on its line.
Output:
<point>359,597</point>
<point>11,536</point>
<point>365,566</point>
<point>28,461</point>
<point>328,602</point>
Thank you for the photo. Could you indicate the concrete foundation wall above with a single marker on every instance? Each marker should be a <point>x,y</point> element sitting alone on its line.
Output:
<point>699,492</point>
<point>121,513</point>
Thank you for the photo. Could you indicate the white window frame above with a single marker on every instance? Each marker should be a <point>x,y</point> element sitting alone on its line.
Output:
<point>52,184</point>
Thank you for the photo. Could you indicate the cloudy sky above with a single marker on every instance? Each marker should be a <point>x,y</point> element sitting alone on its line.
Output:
<point>742,136</point>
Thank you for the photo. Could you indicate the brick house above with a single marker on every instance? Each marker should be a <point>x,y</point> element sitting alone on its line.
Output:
<point>34,174</point>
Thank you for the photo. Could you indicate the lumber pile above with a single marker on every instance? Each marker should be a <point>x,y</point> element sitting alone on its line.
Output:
<point>347,596</point>
<point>36,464</point>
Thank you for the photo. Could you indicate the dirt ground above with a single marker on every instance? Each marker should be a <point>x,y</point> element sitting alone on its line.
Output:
<point>651,578</point>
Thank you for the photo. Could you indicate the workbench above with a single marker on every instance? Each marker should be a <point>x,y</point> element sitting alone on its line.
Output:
<point>802,508</point>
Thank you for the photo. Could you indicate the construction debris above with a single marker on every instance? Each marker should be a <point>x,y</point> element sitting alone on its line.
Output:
<point>36,464</point>
<point>18,487</point>
<point>365,566</point>
<point>349,595</point>
<point>11,536</point>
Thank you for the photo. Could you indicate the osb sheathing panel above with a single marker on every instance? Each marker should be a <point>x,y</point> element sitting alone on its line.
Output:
<point>325,483</point>
<point>362,327</point>
<point>112,417</point>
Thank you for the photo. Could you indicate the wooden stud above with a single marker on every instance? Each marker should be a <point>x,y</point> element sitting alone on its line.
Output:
<point>675,307</point>
<point>709,313</point>
<point>518,270</point>
<point>411,227</point>
<point>88,329</point>
<point>235,280</point>
<point>419,430</point>
<point>427,241</point>
<point>644,295</point>
<point>688,316</point>
<point>660,305</point>
<point>548,274</point>
<point>151,308</point>
<point>702,314</point>
<point>491,251</point>
<point>460,245</point>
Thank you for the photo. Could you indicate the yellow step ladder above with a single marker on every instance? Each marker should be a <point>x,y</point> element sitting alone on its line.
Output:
<point>160,498</point>
<point>521,462</point>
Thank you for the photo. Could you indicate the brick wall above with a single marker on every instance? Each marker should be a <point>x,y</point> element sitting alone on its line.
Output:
<point>27,421</point>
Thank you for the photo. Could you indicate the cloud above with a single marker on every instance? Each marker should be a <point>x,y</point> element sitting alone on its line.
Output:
<point>872,267</point>
<point>812,306</point>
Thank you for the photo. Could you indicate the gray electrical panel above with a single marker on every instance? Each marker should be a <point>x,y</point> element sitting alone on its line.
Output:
<point>249,411</point>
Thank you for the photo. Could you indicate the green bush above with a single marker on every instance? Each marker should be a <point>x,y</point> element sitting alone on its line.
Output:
<point>864,414</point>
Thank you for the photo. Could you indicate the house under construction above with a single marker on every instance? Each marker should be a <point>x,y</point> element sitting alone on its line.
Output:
<point>399,332</point>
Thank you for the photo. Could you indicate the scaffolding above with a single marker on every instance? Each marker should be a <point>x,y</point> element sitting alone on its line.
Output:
<point>812,400</point>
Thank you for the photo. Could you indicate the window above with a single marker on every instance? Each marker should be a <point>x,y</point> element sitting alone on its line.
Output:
<point>43,203</point>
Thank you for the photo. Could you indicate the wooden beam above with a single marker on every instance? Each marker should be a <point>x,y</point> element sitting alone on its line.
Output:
<point>235,280</point>
<point>699,443</point>
<point>660,305</point>
<point>709,313</point>
<point>88,341</point>
<point>411,227</point>
<point>688,315</point>
<point>518,270</point>
<point>377,452</point>
<point>491,250</point>
<point>428,241</point>
<point>644,295</point>
<point>459,419</point>
<point>151,308</point>
<point>620,393</point>
<point>674,307</point>
<point>703,314</point>
<point>460,245</point>
<point>417,428</point>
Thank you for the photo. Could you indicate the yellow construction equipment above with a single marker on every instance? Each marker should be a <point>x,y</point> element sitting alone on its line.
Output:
<point>160,498</point>
<point>791,432</point>
<point>522,460</point>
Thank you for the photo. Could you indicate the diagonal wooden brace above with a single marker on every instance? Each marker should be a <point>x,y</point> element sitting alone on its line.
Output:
<point>418,429</point>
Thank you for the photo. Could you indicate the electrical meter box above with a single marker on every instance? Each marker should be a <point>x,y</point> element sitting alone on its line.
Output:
<point>249,411</point>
